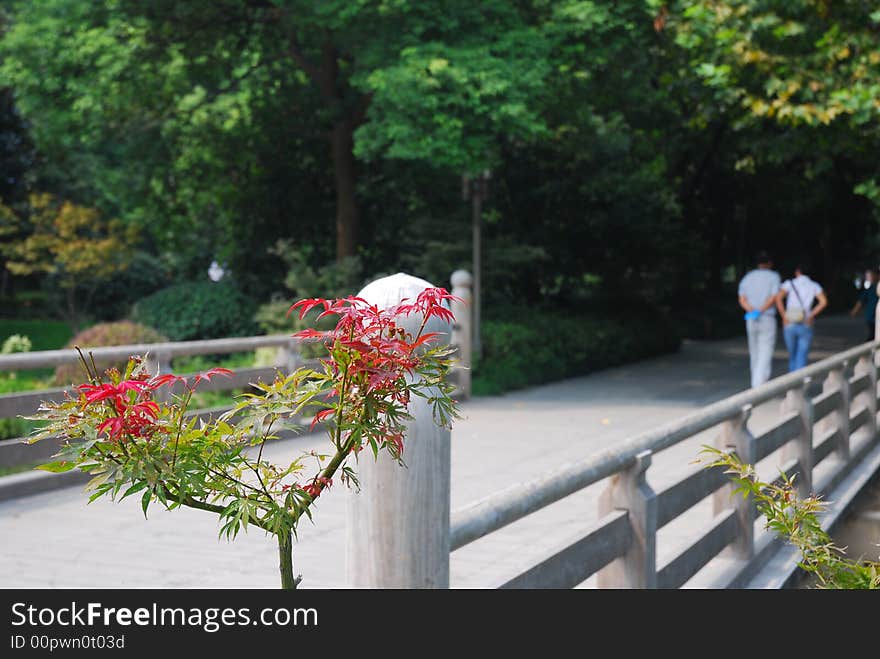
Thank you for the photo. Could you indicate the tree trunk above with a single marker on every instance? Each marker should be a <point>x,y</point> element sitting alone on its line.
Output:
<point>6,283</point>
<point>72,315</point>
<point>717,229</point>
<point>347,213</point>
<point>341,150</point>
<point>285,555</point>
<point>826,243</point>
<point>332,88</point>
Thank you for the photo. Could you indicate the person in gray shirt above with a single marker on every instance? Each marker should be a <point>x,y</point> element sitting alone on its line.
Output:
<point>757,295</point>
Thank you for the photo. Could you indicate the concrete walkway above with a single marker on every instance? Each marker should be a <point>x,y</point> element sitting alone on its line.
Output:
<point>56,540</point>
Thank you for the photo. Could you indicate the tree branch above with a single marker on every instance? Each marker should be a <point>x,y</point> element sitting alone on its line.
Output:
<point>294,49</point>
<point>190,502</point>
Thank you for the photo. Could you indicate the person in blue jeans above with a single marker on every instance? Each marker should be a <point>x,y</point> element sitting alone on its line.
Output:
<point>795,304</point>
<point>757,296</point>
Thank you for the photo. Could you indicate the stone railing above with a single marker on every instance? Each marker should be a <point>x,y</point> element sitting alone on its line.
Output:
<point>159,355</point>
<point>838,426</point>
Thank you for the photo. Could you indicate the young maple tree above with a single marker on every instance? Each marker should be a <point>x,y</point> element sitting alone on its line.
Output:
<point>133,441</point>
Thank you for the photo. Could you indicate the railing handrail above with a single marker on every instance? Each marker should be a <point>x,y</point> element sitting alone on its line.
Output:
<point>168,349</point>
<point>511,504</point>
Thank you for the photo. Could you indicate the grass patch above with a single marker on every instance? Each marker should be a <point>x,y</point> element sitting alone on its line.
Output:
<point>203,400</point>
<point>199,363</point>
<point>44,334</point>
<point>12,383</point>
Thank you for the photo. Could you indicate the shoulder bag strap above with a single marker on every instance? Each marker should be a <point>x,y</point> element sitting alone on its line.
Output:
<point>794,288</point>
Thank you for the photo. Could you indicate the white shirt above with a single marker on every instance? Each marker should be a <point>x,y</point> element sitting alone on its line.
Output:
<point>759,285</point>
<point>806,288</point>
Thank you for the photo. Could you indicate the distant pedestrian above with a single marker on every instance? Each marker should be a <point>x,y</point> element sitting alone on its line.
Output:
<point>868,301</point>
<point>757,294</point>
<point>799,293</point>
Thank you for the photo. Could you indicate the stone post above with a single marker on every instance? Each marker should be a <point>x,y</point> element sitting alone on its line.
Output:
<point>397,530</point>
<point>801,446</point>
<point>628,490</point>
<point>288,357</point>
<point>736,436</point>
<point>461,330</point>
<point>868,398</point>
<point>838,419</point>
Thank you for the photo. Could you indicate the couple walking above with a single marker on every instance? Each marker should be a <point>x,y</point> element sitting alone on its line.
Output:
<point>761,295</point>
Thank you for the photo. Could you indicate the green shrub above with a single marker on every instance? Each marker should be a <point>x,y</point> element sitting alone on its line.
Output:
<point>272,317</point>
<point>144,276</point>
<point>26,305</point>
<point>303,280</point>
<point>198,310</point>
<point>16,343</point>
<point>121,333</point>
<point>13,383</point>
<point>330,280</point>
<point>10,428</point>
<point>24,336</point>
<point>551,346</point>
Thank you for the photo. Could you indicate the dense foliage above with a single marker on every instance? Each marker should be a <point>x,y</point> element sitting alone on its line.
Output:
<point>636,146</point>
<point>551,346</point>
<point>73,246</point>
<point>198,310</point>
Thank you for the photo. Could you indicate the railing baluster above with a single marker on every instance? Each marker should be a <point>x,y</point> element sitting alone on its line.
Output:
<point>288,356</point>
<point>462,338</point>
<point>801,447</point>
<point>839,418</point>
<point>868,398</point>
<point>735,435</point>
<point>629,490</point>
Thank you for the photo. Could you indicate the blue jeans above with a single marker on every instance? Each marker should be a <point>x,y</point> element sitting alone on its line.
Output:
<point>798,339</point>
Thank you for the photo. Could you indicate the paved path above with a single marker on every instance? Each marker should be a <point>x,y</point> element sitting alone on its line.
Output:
<point>55,540</point>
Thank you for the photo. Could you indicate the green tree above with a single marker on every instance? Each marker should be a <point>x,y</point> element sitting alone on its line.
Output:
<point>426,81</point>
<point>625,139</point>
<point>772,129</point>
<point>811,63</point>
<point>72,243</point>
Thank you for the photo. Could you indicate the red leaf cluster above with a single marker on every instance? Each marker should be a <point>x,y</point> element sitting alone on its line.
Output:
<point>131,401</point>
<point>135,412</point>
<point>375,353</point>
<point>382,350</point>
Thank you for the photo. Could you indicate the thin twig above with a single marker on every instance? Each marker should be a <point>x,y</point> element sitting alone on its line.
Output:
<point>223,474</point>
<point>94,366</point>
<point>92,378</point>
